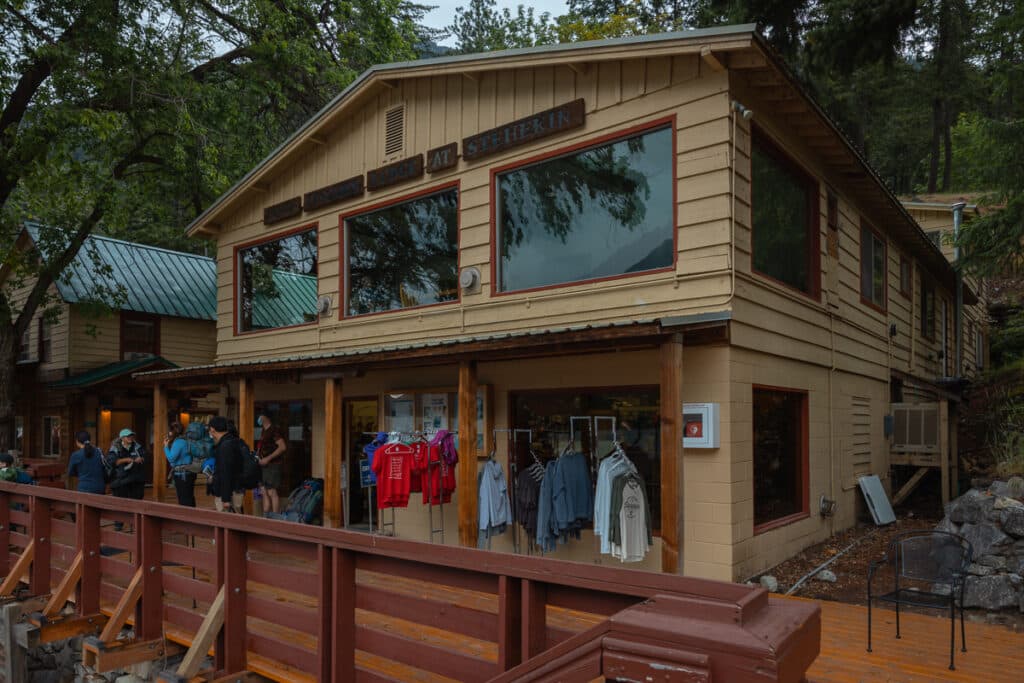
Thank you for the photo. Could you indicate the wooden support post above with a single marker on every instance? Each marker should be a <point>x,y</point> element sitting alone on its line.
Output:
<point>334,439</point>
<point>247,422</point>
<point>671,395</point>
<point>235,572</point>
<point>39,532</point>
<point>64,589</point>
<point>911,484</point>
<point>21,566</point>
<point>944,449</point>
<point>343,608</point>
<point>160,428</point>
<point>220,579</point>
<point>534,633</point>
<point>87,522</point>
<point>510,615</point>
<point>124,609</point>
<point>5,534</point>
<point>954,451</point>
<point>203,639</point>
<point>149,610</point>
<point>466,470</point>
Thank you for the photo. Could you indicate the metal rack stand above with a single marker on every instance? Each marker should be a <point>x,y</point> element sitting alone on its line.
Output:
<point>512,451</point>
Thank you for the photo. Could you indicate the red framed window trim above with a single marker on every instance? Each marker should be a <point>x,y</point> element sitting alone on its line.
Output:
<point>884,307</point>
<point>665,121</point>
<point>127,316</point>
<point>909,291</point>
<point>343,265</point>
<point>759,138</point>
<point>236,290</point>
<point>805,461</point>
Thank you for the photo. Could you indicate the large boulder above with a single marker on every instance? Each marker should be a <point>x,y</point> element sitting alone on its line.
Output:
<point>1012,519</point>
<point>991,592</point>
<point>973,507</point>
<point>983,538</point>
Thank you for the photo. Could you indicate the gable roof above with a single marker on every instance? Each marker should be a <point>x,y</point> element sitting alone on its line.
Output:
<point>154,280</point>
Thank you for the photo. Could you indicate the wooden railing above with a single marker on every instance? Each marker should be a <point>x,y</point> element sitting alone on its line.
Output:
<point>296,602</point>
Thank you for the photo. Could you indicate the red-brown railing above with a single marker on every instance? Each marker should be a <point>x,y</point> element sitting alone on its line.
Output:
<point>309,603</point>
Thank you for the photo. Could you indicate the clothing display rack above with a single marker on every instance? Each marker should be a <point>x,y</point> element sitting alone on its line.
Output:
<point>512,452</point>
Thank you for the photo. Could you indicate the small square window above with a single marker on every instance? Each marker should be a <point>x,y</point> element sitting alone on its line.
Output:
<point>872,268</point>
<point>906,277</point>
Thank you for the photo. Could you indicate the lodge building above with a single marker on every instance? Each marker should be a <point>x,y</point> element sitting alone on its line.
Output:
<point>559,248</point>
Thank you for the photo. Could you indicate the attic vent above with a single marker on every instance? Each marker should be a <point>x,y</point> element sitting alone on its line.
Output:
<point>394,130</point>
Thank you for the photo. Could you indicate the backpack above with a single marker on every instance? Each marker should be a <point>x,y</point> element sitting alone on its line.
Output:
<point>198,442</point>
<point>306,503</point>
<point>252,473</point>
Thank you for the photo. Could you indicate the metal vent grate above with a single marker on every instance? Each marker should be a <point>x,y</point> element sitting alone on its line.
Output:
<point>394,130</point>
<point>860,412</point>
<point>916,428</point>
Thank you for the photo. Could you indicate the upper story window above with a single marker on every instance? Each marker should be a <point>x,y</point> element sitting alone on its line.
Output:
<point>403,255</point>
<point>602,212</point>
<point>45,341</point>
<point>872,268</point>
<point>25,346</point>
<point>906,277</point>
<point>277,284</point>
<point>785,219</point>
<point>140,335</point>
<point>927,309</point>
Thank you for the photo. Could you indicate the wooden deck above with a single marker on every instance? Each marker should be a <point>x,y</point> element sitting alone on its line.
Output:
<point>994,653</point>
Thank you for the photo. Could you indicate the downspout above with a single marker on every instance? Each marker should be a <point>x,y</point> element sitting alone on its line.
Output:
<point>958,313</point>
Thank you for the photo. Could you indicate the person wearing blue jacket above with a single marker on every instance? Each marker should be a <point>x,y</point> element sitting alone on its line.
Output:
<point>178,456</point>
<point>87,463</point>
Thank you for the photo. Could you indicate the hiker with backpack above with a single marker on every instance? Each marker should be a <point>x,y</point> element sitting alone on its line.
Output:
<point>271,449</point>
<point>178,450</point>
<point>127,457</point>
<point>88,465</point>
<point>226,484</point>
<point>8,472</point>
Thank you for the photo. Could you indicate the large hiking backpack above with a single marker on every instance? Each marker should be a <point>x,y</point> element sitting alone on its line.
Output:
<point>306,503</point>
<point>198,442</point>
<point>252,473</point>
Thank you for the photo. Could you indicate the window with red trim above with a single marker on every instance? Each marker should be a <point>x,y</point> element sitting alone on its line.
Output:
<point>780,454</point>
<point>403,255</point>
<point>784,207</point>
<point>906,277</point>
<point>601,212</point>
<point>872,267</point>
<point>45,341</point>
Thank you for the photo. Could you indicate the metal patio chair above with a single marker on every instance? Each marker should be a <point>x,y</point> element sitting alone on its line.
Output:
<point>921,562</point>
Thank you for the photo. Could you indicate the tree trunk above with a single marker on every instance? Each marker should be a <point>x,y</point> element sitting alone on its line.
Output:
<point>933,165</point>
<point>947,143</point>
<point>8,386</point>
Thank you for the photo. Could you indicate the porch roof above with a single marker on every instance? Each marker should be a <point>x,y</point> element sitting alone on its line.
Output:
<point>507,344</point>
<point>110,371</point>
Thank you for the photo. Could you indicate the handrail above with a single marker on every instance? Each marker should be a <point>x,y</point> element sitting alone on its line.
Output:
<point>315,570</point>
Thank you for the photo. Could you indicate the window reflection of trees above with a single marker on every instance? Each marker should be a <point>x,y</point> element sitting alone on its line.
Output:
<point>781,233</point>
<point>596,195</point>
<point>278,282</point>
<point>403,255</point>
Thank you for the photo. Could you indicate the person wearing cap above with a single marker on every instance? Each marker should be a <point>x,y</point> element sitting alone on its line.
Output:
<point>88,465</point>
<point>271,448</point>
<point>227,477</point>
<point>127,456</point>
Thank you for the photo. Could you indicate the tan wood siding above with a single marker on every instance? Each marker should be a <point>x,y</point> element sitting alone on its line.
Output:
<point>447,108</point>
<point>94,340</point>
<point>188,342</point>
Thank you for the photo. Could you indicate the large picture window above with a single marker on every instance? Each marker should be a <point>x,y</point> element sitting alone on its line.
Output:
<point>780,455</point>
<point>140,335</point>
<point>597,213</point>
<point>872,268</point>
<point>278,282</point>
<point>403,255</point>
<point>785,217</point>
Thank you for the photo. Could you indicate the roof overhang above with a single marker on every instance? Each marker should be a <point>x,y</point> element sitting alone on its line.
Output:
<point>110,372</point>
<point>624,336</point>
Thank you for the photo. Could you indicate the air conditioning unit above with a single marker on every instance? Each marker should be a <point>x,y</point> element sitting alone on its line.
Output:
<point>915,427</point>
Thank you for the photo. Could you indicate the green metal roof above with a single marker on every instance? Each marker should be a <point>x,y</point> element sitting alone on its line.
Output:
<point>292,302</point>
<point>154,280</point>
<point>111,371</point>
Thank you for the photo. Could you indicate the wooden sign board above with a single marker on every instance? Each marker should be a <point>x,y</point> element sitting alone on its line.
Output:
<point>398,172</point>
<point>331,194</point>
<point>549,122</point>
<point>441,158</point>
<point>281,211</point>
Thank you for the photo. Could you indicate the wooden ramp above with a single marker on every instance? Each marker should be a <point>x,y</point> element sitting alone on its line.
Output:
<point>994,653</point>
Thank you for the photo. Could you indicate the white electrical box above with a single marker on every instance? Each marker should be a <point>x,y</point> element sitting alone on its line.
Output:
<point>700,425</point>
